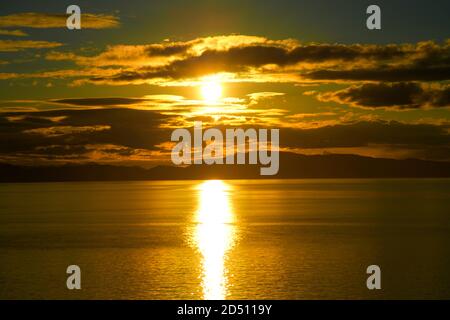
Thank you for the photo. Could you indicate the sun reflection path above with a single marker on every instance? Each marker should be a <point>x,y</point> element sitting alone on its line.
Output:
<point>214,236</point>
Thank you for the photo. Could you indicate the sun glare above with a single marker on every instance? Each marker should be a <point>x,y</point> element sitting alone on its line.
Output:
<point>211,91</point>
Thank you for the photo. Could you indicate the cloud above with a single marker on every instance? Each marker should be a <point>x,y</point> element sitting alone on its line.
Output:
<point>242,58</point>
<point>391,74</point>
<point>211,61</point>
<point>59,74</point>
<point>385,151</point>
<point>45,20</point>
<point>257,96</point>
<point>230,109</point>
<point>99,101</point>
<point>66,130</point>
<point>61,150</point>
<point>282,60</point>
<point>61,136</point>
<point>18,45</point>
<point>161,102</point>
<point>15,33</point>
<point>125,55</point>
<point>154,54</point>
<point>128,135</point>
<point>403,76</point>
<point>424,61</point>
<point>401,95</point>
<point>389,139</point>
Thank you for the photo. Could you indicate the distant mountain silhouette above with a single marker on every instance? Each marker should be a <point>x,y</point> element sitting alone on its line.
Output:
<point>291,166</point>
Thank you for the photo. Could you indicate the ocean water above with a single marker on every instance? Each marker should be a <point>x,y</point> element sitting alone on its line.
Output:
<point>240,239</point>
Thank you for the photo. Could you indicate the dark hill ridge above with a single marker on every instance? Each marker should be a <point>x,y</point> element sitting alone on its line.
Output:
<point>291,166</point>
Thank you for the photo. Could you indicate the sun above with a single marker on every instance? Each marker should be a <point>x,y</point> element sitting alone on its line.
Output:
<point>211,91</point>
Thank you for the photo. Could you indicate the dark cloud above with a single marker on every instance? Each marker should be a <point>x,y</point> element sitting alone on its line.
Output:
<point>240,59</point>
<point>392,74</point>
<point>125,127</point>
<point>19,45</point>
<point>391,95</point>
<point>254,58</point>
<point>167,50</point>
<point>330,52</point>
<point>154,100</point>
<point>62,150</point>
<point>90,135</point>
<point>364,133</point>
<point>425,61</point>
<point>99,101</point>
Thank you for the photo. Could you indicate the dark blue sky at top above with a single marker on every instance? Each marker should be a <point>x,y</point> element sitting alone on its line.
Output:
<point>306,20</point>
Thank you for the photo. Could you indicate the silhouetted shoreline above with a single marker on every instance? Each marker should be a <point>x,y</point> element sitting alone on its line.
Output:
<point>292,166</point>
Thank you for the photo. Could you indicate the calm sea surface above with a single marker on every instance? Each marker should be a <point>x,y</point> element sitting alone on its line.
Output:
<point>242,239</point>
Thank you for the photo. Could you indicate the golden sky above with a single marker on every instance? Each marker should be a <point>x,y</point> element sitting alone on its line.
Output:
<point>113,91</point>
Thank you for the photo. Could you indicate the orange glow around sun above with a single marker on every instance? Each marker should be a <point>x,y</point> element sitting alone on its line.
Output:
<point>211,90</point>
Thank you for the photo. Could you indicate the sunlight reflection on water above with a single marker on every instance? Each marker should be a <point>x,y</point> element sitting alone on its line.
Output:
<point>214,236</point>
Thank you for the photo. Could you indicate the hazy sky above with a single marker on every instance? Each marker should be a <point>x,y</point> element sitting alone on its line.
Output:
<point>113,91</point>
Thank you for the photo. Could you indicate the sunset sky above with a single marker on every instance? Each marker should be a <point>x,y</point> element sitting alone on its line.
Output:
<point>114,91</point>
